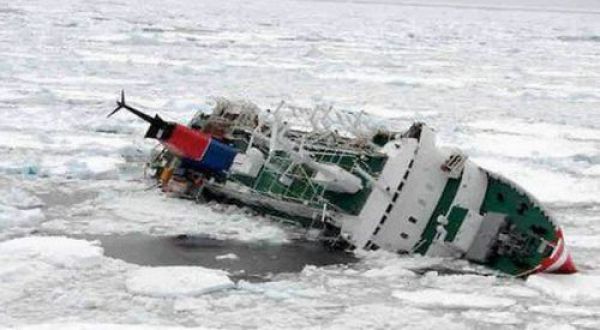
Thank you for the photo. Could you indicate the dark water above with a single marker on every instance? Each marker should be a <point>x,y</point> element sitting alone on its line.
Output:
<point>255,261</point>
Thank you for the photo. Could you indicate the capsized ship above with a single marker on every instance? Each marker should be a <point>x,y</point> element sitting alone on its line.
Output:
<point>363,186</point>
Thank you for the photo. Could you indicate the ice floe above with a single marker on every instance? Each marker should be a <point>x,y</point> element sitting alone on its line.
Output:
<point>392,271</point>
<point>492,317</point>
<point>58,251</point>
<point>13,217</point>
<point>227,256</point>
<point>100,326</point>
<point>19,207</point>
<point>19,198</point>
<point>433,298</point>
<point>384,316</point>
<point>578,288</point>
<point>177,281</point>
<point>219,221</point>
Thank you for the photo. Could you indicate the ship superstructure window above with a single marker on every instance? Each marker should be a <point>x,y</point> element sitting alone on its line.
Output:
<point>371,246</point>
<point>395,197</point>
<point>412,220</point>
<point>406,175</point>
<point>389,208</point>
<point>404,235</point>
<point>400,186</point>
<point>382,221</point>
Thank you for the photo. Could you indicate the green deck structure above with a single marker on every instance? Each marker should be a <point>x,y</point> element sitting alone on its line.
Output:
<point>285,180</point>
<point>527,217</point>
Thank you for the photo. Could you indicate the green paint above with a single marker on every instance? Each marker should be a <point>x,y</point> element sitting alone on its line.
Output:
<point>302,188</point>
<point>528,219</point>
<point>455,219</point>
<point>243,179</point>
<point>441,208</point>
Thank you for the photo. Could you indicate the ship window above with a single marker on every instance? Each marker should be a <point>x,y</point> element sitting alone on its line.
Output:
<point>404,235</point>
<point>395,197</point>
<point>368,245</point>
<point>374,247</point>
<point>406,174</point>
<point>389,208</point>
<point>400,186</point>
<point>412,220</point>
<point>382,221</point>
<point>410,165</point>
<point>376,231</point>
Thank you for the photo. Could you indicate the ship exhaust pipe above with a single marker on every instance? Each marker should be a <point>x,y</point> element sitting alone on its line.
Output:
<point>159,129</point>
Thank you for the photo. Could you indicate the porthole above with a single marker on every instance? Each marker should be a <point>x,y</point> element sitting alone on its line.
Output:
<point>389,208</point>
<point>382,221</point>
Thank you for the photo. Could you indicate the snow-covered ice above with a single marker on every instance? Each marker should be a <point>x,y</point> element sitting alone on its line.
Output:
<point>103,326</point>
<point>514,84</point>
<point>438,298</point>
<point>227,256</point>
<point>576,289</point>
<point>177,281</point>
<point>57,251</point>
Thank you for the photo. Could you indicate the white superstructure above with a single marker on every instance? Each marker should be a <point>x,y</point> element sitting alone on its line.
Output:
<point>413,181</point>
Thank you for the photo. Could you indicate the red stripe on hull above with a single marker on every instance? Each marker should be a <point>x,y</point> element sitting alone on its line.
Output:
<point>560,261</point>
